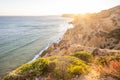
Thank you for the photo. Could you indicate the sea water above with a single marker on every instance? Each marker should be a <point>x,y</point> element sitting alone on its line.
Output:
<point>23,39</point>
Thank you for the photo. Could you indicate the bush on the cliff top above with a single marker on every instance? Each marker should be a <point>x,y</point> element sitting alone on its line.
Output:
<point>61,67</point>
<point>105,60</point>
<point>112,63</point>
<point>39,66</point>
<point>78,67</point>
<point>115,33</point>
<point>31,69</point>
<point>67,67</point>
<point>85,56</point>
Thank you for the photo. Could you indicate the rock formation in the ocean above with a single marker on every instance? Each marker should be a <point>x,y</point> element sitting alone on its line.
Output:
<point>88,51</point>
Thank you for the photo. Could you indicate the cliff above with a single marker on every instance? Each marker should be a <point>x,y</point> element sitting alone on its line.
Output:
<point>89,51</point>
<point>99,30</point>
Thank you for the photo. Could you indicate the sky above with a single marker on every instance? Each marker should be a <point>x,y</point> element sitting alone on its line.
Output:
<point>53,7</point>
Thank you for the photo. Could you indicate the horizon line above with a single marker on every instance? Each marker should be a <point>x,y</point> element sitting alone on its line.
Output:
<point>34,15</point>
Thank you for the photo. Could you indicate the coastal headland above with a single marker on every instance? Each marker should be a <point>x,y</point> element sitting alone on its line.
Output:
<point>88,51</point>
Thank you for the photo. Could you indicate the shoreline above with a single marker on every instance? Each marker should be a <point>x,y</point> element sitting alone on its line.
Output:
<point>57,41</point>
<point>41,51</point>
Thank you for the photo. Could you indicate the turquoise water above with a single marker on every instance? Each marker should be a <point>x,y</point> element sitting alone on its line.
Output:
<point>22,38</point>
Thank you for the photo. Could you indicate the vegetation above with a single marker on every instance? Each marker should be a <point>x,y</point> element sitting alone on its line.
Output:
<point>105,60</point>
<point>78,67</point>
<point>85,56</point>
<point>115,33</point>
<point>115,68</point>
<point>64,67</point>
<point>57,67</point>
<point>68,67</point>
<point>31,69</point>
<point>110,64</point>
<point>102,60</point>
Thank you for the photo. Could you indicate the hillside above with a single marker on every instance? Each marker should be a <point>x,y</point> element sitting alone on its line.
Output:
<point>100,30</point>
<point>89,51</point>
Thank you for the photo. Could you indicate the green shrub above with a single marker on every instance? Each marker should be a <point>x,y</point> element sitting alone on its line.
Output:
<point>103,60</point>
<point>85,56</point>
<point>112,63</point>
<point>77,70</point>
<point>68,66</point>
<point>29,70</point>
<point>78,67</point>
<point>37,66</point>
<point>60,72</point>
<point>115,58</point>
<point>57,67</point>
<point>115,33</point>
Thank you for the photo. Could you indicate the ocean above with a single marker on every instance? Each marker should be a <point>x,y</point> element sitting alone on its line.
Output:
<point>23,39</point>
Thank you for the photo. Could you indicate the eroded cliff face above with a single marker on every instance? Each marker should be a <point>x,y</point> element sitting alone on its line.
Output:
<point>91,31</point>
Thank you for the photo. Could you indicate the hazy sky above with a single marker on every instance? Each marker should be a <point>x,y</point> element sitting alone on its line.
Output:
<point>46,7</point>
